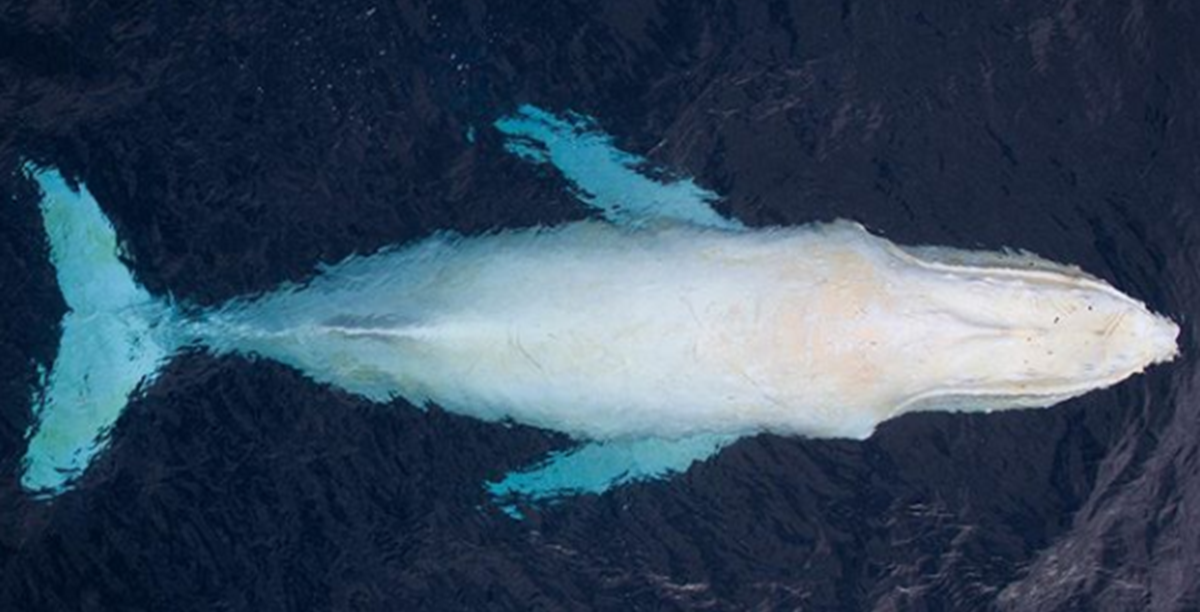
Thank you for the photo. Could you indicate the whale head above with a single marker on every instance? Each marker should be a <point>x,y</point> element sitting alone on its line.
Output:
<point>1055,334</point>
<point>1018,331</point>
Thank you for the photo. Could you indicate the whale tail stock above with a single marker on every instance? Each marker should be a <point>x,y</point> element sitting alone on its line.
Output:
<point>115,337</point>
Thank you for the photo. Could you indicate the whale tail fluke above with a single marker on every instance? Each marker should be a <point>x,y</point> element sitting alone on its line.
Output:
<point>115,337</point>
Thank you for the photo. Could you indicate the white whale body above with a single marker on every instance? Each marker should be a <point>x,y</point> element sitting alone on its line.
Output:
<point>655,336</point>
<point>601,332</point>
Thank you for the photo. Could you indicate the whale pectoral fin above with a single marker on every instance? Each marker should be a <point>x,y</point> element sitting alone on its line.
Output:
<point>624,187</point>
<point>596,467</point>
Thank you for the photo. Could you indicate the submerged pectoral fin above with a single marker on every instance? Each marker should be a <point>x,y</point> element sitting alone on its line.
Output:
<point>611,180</point>
<point>596,467</point>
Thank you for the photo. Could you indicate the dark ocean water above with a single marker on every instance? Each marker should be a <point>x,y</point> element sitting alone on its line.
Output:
<point>239,146</point>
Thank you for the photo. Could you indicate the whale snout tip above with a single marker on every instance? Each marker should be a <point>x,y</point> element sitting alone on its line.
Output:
<point>1143,339</point>
<point>1164,339</point>
<point>1139,339</point>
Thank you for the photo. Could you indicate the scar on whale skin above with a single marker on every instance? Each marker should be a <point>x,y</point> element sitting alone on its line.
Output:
<point>654,335</point>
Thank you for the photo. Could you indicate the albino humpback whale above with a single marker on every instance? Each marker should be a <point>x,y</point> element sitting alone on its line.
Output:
<point>654,336</point>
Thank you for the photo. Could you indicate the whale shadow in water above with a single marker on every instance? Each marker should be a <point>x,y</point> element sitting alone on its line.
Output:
<point>655,336</point>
